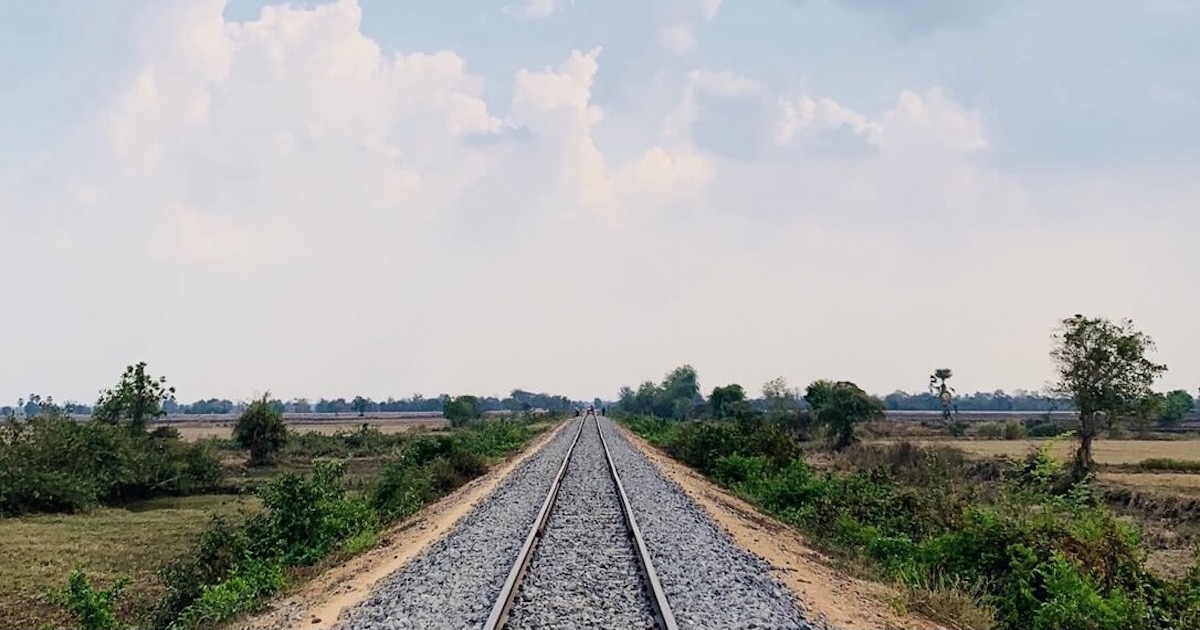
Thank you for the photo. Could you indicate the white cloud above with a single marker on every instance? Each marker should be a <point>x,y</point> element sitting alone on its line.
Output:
<point>187,236</point>
<point>535,9</point>
<point>325,213</point>
<point>557,103</point>
<point>679,39</point>
<point>677,35</point>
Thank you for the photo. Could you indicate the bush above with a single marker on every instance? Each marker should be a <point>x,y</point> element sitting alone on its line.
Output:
<point>52,463</point>
<point>462,410</point>
<point>990,430</point>
<point>91,608</point>
<point>260,429</point>
<point>1168,464</point>
<point>221,548</point>
<point>306,517</point>
<point>401,492</point>
<point>1044,430</point>
<point>1014,430</point>
<point>1020,553</point>
<point>243,591</point>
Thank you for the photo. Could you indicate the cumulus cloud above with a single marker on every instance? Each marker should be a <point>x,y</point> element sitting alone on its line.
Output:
<point>324,212</point>
<point>557,103</point>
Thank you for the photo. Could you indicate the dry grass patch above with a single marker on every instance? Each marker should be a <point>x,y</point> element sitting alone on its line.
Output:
<point>1113,452</point>
<point>952,603</point>
<point>203,430</point>
<point>39,551</point>
<point>1174,483</point>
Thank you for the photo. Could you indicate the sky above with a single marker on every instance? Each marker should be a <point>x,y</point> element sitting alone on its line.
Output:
<point>386,197</point>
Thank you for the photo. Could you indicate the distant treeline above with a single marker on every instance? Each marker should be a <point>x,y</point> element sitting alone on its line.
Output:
<point>518,400</point>
<point>998,400</point>
<point>521,400</point>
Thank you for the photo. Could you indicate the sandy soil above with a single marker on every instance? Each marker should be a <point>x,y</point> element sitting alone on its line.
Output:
<point>317,605</point>
<point>844,602</point>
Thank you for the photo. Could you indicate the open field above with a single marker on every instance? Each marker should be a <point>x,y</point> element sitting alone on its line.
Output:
<point>1187,484</point>
<point>192,430</point>
<point>41,550</point>
<point>1111,452</point>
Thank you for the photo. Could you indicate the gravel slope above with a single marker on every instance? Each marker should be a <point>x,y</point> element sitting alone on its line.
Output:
<point>584,572</point>
<point>709,581</point>
<point>453,583</point>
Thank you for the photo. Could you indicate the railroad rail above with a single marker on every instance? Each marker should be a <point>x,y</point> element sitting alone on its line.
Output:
<point>511,589</point>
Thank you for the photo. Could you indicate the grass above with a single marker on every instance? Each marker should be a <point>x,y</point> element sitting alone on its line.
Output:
<point>40,550</point>
<point>948,602</point>
<point>1164,482</point>
<point>1106,452</point>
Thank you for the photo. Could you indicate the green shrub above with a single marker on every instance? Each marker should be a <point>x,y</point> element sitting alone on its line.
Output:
<point>220,549</point>
<point>261,430</point>
<point>242,592</point>
<point>1168,464</point>
<point>306,517</point>
<point>737,471</point>
<point>990,430</point>
<point>1014,430</point>
<point>53,463</point>
<point>364,441</point>
<point>1029,554</point>
<point>462,410</point>
<point>90,607</point>
<point>402,491</point>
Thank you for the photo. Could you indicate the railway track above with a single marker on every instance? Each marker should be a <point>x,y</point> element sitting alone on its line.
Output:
<point>584,562</point>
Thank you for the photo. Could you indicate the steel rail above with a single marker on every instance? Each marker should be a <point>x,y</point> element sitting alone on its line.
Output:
<point>508,592</point>
<point>658,597</point>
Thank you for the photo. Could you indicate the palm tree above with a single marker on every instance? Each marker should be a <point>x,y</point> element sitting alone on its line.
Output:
<point>945,393</point>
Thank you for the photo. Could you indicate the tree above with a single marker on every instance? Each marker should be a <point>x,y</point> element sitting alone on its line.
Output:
<point>944,393</point>
<point>780,397</point>
<point>137,399</point>
<point>1145,411</point>
<point>301,405</point>
<point>32,406</point>
<point>360,404</point>
<point>1103,367</point>
<point>1176,405</point>
<point>841,406</point>
<point>462,409</point>
<point>724,399</point>
<point>680,392</point>
<point>261,430</point>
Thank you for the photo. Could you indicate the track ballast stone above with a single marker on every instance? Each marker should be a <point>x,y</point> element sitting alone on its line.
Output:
<point>453,583</point>
<point>584,572</point>
<point>709,581</point>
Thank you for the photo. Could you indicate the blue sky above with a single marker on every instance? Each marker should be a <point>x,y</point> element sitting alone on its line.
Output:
<point>328,198</point>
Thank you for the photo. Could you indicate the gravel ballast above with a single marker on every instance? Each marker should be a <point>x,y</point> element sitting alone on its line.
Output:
<point>584,572</point>
<point>709,581</point>
<point>453,584</point>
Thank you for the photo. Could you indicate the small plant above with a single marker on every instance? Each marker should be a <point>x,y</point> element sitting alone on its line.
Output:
<point>90,607</point>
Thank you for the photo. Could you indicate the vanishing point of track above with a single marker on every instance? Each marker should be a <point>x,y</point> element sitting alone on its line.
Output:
<point>509,600</point>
